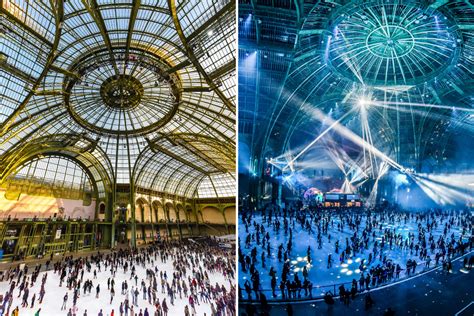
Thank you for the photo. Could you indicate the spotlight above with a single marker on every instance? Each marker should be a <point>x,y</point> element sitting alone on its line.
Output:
<point>363,102</point>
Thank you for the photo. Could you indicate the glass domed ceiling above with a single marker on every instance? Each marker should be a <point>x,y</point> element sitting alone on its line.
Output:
<point>135,95</point>
<point>391,76</point>
<point>143,92</point>
<point>391,44</point>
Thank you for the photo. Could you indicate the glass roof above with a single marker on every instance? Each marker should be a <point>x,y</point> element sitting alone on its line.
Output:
<point>388,77</point>
<point>391,44</point>
<point>148,85</point>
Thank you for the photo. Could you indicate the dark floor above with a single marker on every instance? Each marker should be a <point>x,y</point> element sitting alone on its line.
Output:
<point>435,293</point>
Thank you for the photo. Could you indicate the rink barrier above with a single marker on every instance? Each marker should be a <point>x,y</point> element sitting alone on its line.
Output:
<point>334,288</point>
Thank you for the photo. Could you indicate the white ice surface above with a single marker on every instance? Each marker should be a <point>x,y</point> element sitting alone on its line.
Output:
<point>52,302</point>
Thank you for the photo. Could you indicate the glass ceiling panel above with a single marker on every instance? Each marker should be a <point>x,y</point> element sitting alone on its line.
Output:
<point>34,14</point>
<point>62,172</point>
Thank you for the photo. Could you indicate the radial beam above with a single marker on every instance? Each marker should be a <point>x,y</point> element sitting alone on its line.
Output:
<point>17,72</point>
<point>93,9</point>
<point>196,89</point>
<point>158,148</point>
<point>227,8</point>
<point>223,70</point>
<point>203,156</point>
<point>179,66</point>
<point>193,58</point>
<point>65,72</point>
<point>131,25</point>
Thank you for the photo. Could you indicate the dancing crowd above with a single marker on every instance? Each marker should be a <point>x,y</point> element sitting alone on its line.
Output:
<point>145,289</point>
<point>266,247</point>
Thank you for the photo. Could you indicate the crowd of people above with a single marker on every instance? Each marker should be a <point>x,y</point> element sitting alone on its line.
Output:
<point>128,282</point>
<point>380,238</point>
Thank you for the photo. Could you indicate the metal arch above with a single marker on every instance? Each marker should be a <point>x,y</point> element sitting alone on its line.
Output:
<point>165,187</point>
<point>45,107</point>
<point>202,138</point>
<point>197,186</point>
<point>212,118</point>
<point>27,119</point>
<point>152,185</point>
<point>85,168</point>
<point>40,141</point>
<point>141,168</point>
<point>31,133</point>
<point>94,11</point>
<point>196,180</point>
<point>42,148</point>
<point>189,146</point>
<point>186,143</point>
<point>181,181</point>
<point>204,111</point>
<point>59,16</point>
<point>206,126</point>
<point>226,8</point>
<point>137,47</point>
<point>154,146</point>
<point>118,5</point>
<point>192,57</point>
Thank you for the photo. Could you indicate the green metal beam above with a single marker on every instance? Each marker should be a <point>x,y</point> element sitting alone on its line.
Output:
<point>49,92</point>
<point>59,17</point>
<point>179,66</point>
<point>93,9</point>
<point>203,110</point>
<point>223,70</point>
<point>201,155</point>
<point>196,89</point>
<point>194,60</point>
<point>15,20</point>
<point>158,148</point>
<point>65,72</point>
<point>229,7</point>
<point>17,72</point>
<point>131,24</point>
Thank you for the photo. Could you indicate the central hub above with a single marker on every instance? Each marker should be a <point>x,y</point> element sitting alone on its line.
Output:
<point>390,41</point>
<point>133,96</point>
<point>121,92</point>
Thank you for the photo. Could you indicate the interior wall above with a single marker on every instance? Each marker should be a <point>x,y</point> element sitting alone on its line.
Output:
<point>160,211</point>
<point>172,213</point>
<point>29,206</point>
<point>212,215</point>
<point>230,215</point>
<point>182,214</point>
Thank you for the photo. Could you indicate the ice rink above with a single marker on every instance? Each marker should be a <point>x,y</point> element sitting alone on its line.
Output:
<point>53,299</point>
<point>324,278</point>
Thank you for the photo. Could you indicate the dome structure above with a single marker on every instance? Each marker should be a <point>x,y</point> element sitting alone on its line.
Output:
<point>336,89</point>
<point>145,88</point>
